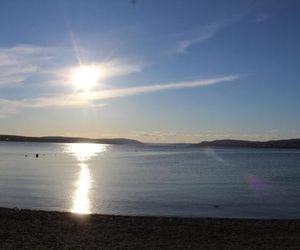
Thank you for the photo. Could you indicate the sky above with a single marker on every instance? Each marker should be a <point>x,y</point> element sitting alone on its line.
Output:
<point>157,71</point>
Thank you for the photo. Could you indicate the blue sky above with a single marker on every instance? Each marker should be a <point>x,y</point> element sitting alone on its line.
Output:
<point>169,71</point>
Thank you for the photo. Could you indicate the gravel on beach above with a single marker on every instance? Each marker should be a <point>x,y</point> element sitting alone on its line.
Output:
<point>30,229</point>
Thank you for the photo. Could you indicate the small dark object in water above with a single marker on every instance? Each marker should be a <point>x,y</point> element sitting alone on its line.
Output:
<point>36,155</point>
<point>25,155</point>
<point>216,206</point>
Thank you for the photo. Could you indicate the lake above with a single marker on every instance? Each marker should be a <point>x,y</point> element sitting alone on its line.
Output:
<point>151,180</point>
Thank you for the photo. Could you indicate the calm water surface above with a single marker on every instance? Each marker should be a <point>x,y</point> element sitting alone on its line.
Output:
<point>148,180</point>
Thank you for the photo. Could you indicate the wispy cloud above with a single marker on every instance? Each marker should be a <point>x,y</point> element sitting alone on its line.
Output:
<point>20,62</point>
<point>113,93</point>
<point>200,36</point>
<point>261,18</point>
<point>115,68</point>
<point>9,107</point>
<point>204,33</point>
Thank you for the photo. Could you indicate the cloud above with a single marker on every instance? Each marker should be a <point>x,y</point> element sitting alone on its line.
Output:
<point>113,93</point>
<point>163,137</point>
<point>19,62</point>
<point>261,18</point>
<point>11,107</point>
<point>179,137</point>
<point>81,99</point>
<point>208,135</point>
<point>116,68</point>
<point>8,108</point>
<point>205,33</point>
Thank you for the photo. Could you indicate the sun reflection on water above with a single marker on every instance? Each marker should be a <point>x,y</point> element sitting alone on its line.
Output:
<point>83,152</point>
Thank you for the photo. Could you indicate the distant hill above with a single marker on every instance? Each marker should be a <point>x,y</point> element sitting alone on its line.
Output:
<point>290,143</point>
<point>62,139</point>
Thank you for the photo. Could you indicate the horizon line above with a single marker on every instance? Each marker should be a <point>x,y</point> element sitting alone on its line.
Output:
<point>143,142</point>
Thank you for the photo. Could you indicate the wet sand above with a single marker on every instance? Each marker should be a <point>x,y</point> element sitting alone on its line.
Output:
<point>28,229</point>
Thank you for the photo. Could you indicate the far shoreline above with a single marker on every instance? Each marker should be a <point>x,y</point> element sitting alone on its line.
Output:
<point>224,143</point>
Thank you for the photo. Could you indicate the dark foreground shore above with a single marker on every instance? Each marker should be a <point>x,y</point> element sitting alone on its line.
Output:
<point>26,229</point>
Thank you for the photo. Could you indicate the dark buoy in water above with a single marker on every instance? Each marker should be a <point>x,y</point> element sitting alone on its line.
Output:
<point>216,206</point>
<point>25,155</point>
<point>36,155</point>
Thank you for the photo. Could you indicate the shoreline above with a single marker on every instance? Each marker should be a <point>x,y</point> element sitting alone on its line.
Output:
<point>36,229</point>
<point>221,143</point>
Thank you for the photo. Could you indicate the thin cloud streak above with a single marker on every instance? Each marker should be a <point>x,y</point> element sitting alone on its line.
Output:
<point>261,18</point>
<point>12,107</point>
<point>113,93</point>
<point>205,33</point>
<point>9,107</point>
<point>19,62</point>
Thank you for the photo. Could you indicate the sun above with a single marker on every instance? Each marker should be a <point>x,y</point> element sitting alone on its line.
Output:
<point>85,77</point>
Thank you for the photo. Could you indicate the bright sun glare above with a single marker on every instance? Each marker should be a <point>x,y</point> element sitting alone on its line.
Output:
<point>83,152</point>
<point>85,77</point>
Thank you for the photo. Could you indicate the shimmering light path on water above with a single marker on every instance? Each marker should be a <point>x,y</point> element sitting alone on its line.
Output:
<point>83,152</point>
